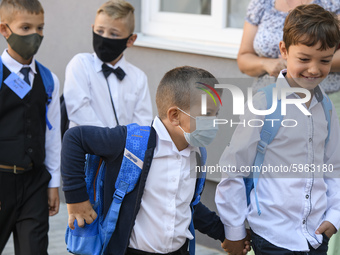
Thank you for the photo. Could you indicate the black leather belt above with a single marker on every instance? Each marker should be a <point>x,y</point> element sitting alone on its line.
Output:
<point>182,251</point>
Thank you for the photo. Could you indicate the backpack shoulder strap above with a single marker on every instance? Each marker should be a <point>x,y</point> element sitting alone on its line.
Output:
<point>267,135</point>
<point>47,78</point>
<point>136,144</point>
<point>327,107</point>
<point>201,159</point>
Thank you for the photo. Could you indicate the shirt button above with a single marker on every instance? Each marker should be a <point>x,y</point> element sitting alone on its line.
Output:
<point>169,228</point>
<point>304,221</point>
<point>173,179</point>
<point>307,196</point>
<point>29,136</point>
<point>310,139</point>
<point>30,150</point>
<point>178,157</point>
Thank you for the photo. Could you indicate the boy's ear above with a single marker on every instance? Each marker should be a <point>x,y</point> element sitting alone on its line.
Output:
<point>173,115</point>
<point>131,40</point>
<point>283,50</point>
<point>4,30</point>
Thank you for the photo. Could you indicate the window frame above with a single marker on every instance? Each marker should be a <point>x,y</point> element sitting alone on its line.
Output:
<point>181,26</point>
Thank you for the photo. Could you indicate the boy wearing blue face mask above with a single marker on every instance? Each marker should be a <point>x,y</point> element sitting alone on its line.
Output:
<point>156,219</point>
<point>30,141</point>
<point>103,89</point>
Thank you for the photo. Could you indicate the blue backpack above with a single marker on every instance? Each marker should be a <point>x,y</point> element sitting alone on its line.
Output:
<point>267,135</point>
<point>48,82</point>
<point>94,238</point>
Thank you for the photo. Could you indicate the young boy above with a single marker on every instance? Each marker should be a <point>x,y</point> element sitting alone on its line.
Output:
<point>300,210</point>
<point>29,150</point>
<point>103,89</point>
<point>155,216</point>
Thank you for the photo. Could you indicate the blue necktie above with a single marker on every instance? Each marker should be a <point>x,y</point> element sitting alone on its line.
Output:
<point>25,71</point>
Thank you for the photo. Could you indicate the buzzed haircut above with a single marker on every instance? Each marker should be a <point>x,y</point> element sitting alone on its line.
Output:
<point>310,24</point>
<point>8,8</point>
<point>120,9</point>
<point>179,86</point>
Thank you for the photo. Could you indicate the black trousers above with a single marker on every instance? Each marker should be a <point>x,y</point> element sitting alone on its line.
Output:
<point>24,211</point>
<point>262,247</point>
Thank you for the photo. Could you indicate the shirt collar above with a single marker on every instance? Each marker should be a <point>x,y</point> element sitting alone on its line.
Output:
<point>13,65</point>
<point>164,135</point>
<point>281,82</point>
<point>98,63</point>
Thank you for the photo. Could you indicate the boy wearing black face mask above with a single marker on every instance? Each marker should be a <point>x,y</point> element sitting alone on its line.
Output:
<point>103,89</point>
<point>29,132</point>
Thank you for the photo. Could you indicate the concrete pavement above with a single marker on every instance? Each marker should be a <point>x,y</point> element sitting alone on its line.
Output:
<point>57,245</point>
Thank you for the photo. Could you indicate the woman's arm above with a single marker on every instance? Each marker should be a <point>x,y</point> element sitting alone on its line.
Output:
<point>250,63</point>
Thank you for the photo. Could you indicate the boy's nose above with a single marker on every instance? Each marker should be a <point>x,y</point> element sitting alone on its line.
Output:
<point>314,70</point>
<point>38,31</point>
<point>106,34</point>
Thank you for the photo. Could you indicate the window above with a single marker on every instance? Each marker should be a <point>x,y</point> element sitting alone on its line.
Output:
<point>217,21</point>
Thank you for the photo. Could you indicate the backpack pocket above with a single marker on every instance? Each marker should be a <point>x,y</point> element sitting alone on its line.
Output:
<point>84,241</point>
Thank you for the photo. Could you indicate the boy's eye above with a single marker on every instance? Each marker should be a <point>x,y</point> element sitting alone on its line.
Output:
<point>304,59</point>
<point>100,32</point>
<point>25,28</point>
<point>325,61</point>
<point>41,28</point>
<point>114,35</point>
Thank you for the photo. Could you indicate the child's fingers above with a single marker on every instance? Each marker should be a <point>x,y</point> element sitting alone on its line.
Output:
<point>80,221</point>
<point>88,219</point>
<point>71,219</point>
<point>323,227</point>
<point>93,214</point>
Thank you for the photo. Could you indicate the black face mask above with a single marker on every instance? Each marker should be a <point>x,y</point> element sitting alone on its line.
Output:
<point>108,49</point>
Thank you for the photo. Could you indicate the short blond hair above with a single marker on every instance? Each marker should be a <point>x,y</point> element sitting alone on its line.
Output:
<point>8,8</point>
<point>120,9</point>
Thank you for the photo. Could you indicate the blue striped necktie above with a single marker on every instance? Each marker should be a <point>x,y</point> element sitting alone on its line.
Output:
<point>25,71</point>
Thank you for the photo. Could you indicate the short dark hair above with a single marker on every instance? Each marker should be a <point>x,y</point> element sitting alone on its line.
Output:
<point>9,7</point>
<point>179,85</point>
<point>310,24</point>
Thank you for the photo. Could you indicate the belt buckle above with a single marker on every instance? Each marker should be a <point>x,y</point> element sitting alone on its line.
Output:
<point>15,169</point>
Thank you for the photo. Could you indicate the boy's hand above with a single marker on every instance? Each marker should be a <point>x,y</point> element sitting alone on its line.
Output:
<point>82,212</point>
<point>237,247</point>
<point>327,228</point>
<point>53,201</point>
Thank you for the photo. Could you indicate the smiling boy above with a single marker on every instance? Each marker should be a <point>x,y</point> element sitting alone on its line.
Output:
<point>300,209</point>
<point>104,89</point>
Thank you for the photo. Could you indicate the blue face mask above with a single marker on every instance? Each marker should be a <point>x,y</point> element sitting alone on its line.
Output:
<point>205,131</point>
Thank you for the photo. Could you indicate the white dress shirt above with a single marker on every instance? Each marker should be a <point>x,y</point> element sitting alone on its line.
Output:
<point>87,95</point>
<point>53,137</point>
<point>162,223</point>
<point>292,205</point>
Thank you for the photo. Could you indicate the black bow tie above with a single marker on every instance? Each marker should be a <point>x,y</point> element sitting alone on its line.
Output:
<point>119,72</point>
